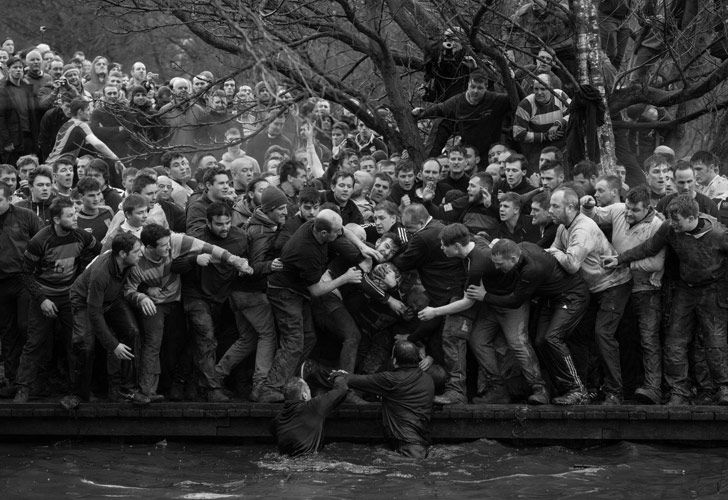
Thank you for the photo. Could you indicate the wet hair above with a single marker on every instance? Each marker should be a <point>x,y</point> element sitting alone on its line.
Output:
<point>88,185</point>
<point>293,389</point>
<point>558,155</point>
<point>639,194</point>
<point>218,209</point>
<point>141,181</point>
<point>384,176</point>
<point>683,165</point>
<point>506,249</point>
<point>456,149</point>
<point>123,242</point>
<point>478,76</point>
<point>405,353</point>
<point>683,205</point>
<point>57,205</point>
<point>454,233</point>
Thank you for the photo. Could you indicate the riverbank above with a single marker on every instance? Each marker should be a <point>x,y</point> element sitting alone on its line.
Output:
<point>243,421</point>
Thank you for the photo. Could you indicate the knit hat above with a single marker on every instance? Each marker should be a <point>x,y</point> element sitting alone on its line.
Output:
<point>272,198</point>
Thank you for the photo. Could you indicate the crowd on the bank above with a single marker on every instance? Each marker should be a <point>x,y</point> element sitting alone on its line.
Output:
<point>231,254</point>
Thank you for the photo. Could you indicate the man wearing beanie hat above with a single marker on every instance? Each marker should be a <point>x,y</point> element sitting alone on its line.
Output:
<point>272,199</point>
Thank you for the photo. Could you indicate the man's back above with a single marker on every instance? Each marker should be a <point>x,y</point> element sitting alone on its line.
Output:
<point>407,393</point>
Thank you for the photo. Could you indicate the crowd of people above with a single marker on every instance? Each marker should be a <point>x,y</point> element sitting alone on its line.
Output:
<point>313,247</point>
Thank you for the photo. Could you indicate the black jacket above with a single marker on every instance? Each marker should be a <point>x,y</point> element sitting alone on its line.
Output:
<point>443,277</point>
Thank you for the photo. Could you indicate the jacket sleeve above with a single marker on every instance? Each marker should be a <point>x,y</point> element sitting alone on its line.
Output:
<point>574,255</point>
<point>651,247</point>
<point>413,256</point>
<point>524,289</point>
<point>196,220</point>
<point>131,287</point>
<point>31,262</point>
<point>259,243</point>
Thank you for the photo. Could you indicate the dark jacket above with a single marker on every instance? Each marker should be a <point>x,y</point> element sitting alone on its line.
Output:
<point>17,105</point>
<point>443,277</point>
<point>538,273</point>
<point>50,124</point>
<point>479,125</point>
<point>299,426</point>
<point>349,213</point>
<point>702,255</point>
<point>17,226</point>
<point>265,243</point>
<point>40,208</point>
<point>175,216</point>
<point>407,394</point>
<point>524,231</point>
<point>98,287</point>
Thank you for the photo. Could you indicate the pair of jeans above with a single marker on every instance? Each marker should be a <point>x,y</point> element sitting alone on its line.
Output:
<point>153,328</point>
<point>256,326</point>
<point>701,311</point>
<point>120,319</point>
<point>558,318</point>
<point>647,307</point>
<point>39,344</point>
<point>201,316</point>
<point>609,307</point>
<point>614,34</point>
<point>513,325</point>
<point>334,318</point>
<point>14,301</point>
<point>296,334</point>
<point>455,333</point>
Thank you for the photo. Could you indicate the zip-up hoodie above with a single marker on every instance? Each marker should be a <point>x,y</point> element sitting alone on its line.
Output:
<point>39,208</point>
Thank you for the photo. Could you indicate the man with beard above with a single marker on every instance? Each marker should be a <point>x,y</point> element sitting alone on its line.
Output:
<point>585,174</point>
<point>245,205</point>
<point>342,186</point>
<point>53,259</point>
<point>182,116</point>
<point>215,123</point>
<point>479,214</point>
<point>309,203</point>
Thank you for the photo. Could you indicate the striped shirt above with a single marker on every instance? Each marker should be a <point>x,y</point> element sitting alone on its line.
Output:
<point>70,139</point>
<point>533,120</point>
<point>159,274</point>
<point>52,262</point>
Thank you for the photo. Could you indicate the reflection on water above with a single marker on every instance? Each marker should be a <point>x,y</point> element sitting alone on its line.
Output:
<point>482,469</point>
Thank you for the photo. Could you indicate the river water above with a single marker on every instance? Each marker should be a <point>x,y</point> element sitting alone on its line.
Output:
<point>482,469</point>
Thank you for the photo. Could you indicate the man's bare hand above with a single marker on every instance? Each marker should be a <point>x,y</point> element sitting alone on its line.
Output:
<point>123,352</point>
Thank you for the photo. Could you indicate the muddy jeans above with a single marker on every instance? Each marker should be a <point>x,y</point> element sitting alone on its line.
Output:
<point>513,324</point>
<point>699,311</point>
<point>153,333</point>
<point>296,331</point>
<point>256,326</point>
<point>202,315</point>
<point>647,306</point>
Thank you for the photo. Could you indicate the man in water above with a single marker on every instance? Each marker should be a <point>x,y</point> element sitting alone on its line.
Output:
<point>407,393</point>
<point>298,427</point>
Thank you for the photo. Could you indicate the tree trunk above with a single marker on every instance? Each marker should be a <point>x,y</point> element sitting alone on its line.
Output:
<point>589,58</point>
